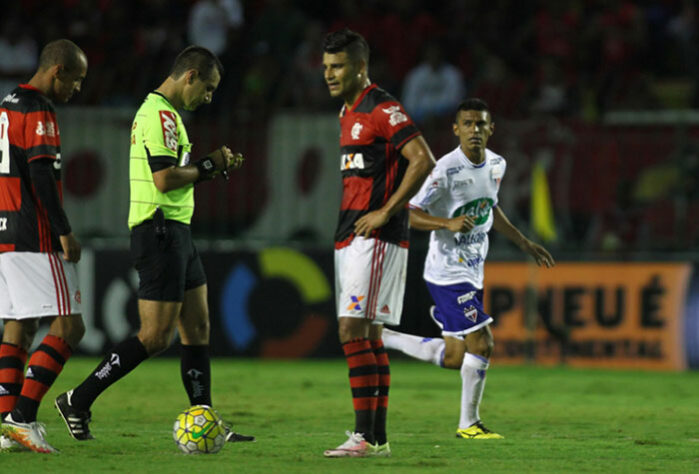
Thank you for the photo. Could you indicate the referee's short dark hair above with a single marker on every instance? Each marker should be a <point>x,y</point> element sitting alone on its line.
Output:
<point>198,58</point>
<point>348,41</point>
<point>473,104</point>
<point>61,51</point>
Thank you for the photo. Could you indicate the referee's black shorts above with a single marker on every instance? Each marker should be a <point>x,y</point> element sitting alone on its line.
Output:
<point>168,264</point>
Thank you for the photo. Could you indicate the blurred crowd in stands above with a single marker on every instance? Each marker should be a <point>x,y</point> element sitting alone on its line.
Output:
<point>570,60</point>
<point>562,57</point>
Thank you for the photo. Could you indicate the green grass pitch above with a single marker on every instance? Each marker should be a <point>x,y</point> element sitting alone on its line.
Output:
<point>553,420</point>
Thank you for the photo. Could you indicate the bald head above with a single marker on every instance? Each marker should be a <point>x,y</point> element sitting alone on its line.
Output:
<point>62,69</point>
<point>63,52</point>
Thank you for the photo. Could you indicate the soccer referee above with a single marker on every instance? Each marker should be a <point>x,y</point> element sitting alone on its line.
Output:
<point>172,289</point>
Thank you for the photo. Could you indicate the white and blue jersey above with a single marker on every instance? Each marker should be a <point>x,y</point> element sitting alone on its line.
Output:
<point>457,187</point>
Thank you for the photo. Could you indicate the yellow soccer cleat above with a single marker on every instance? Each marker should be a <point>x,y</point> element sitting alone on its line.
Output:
<point>477,431</point>
<point>381,450</point>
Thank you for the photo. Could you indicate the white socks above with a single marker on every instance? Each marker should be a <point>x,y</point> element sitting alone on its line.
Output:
<point>423,348</point>
<point>473,382</point>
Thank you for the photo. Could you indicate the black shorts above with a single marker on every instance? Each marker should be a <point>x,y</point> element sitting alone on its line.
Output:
<point>167,264</point>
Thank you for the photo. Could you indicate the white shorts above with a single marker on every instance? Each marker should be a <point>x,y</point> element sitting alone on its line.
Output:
<point>34,285</point>
<point>370,280</point>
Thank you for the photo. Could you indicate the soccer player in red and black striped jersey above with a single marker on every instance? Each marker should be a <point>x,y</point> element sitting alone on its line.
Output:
<point>38,251</point>
<point>384,161</point>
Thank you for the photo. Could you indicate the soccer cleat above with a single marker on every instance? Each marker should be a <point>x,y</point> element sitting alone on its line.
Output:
<point>76,420</point>
<point>30,435</point>
<point>380,450</point>
<point>477,431</point>
<point>355,447</point>
<point>233,437</point>
<point>9,445</point>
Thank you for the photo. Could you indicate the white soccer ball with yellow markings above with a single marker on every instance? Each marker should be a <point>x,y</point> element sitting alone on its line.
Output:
<point>199,430</point>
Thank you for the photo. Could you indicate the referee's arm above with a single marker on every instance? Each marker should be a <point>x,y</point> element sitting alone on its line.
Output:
<point>167,176</point>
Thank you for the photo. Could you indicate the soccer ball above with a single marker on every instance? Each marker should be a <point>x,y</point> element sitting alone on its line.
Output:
<point>199,430</point>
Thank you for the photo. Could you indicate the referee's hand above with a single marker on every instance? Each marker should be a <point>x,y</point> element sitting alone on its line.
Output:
<point>71,248</point>
<point>222,158</point>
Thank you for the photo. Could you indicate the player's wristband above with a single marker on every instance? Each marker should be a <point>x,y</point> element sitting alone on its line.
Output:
<point>207,168</point>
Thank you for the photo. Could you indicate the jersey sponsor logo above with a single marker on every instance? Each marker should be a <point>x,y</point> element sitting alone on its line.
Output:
<point>454,170</point>
<point>479,209</point>
<point>472,262</point>
<point>356,130</point>
<point>396,116</point>
<point>471,313</point>
<point>49,129</point>
<point>11,98</point>
<point>465,297</point>
<point>354,304</point>
<point>385,309</point>
<point>497,172</point>
<point>169,124</point>
<point>467,239</point>
<point>3,223</point>
<point>352,161</point>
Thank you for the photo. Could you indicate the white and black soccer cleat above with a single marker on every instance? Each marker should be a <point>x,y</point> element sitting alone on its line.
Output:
<point>233,437</point>
<point>76,420</point>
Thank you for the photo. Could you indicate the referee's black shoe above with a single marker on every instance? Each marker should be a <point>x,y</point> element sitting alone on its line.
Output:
<point>233,437</point>
<point>76,420</point>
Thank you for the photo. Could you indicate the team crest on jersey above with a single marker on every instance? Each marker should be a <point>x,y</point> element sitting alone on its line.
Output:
<point>396,116</point>
<point>356,130</point>
<point>471,313</point>
<point>169,124</point>
<point>352,161</point>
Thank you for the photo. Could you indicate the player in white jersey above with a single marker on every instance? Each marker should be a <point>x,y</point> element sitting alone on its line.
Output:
<point>458,203</point>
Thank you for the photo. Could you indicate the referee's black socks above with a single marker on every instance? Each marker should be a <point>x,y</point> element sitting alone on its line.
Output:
<point>121,360</point>
<point>195,368</point>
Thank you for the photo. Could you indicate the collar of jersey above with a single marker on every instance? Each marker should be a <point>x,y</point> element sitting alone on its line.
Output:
<point>361,96</point>
<point>31,88</point>
<point>163,97</point>
<point>471,163</point>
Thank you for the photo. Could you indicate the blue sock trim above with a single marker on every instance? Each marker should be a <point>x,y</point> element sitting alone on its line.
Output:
<point>481,358</point>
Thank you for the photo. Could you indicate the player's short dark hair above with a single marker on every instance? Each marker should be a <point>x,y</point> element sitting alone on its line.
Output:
<point>198,58</point>
<point>473,104</point>
<point>63,52</point>
<point>348,41</point>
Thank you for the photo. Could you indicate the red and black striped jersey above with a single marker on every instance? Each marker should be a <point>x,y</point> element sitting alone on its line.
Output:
<point>372,133</point>
<point>28,132</point>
